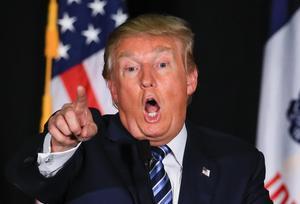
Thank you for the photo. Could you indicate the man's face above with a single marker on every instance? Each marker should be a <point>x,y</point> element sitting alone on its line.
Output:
<point>150,86</point>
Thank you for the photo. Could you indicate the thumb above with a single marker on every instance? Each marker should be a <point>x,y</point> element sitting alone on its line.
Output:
<point>88,131</point>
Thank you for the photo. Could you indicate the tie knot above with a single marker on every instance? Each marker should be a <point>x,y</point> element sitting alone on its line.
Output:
<point>159,153</point>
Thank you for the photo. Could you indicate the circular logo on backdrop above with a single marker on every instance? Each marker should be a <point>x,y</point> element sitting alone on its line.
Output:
<point>294,118</point>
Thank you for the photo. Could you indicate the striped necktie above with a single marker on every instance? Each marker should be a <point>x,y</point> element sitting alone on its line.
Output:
<point>161,185</point>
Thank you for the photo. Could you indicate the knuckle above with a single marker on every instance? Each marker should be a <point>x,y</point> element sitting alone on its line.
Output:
<point>59,121</point>
<point>66,105</point>
<point>50,123</point>
<point>52,118</point>
<point>51,129</point>
<point>69,113</point>
<point>76,130</point>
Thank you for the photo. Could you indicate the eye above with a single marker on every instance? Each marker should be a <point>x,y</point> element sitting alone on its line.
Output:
<point>162,65</point>
<point>131,69</point>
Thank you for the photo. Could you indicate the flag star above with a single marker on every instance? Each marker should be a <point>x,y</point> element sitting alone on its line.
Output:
<point>91,34</point>
<point>76,1</point>
<point>63,51</point>
<point>119,17</point>
<point>66,23</point>
<point>97,7</point>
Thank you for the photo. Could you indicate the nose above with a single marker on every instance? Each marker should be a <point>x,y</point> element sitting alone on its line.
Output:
<point>148,78</point>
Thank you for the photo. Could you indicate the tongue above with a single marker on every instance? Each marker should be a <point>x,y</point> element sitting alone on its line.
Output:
<point>151,108</point>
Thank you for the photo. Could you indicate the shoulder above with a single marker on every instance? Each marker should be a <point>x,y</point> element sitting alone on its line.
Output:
<point>219,145</point>
<point>231,161</point>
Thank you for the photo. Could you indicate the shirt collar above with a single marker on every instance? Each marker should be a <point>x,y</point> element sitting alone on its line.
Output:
<point>177,145</point>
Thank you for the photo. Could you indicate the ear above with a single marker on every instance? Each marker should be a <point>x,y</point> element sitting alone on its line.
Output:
<point>192,81</point>
<point>113,90</point>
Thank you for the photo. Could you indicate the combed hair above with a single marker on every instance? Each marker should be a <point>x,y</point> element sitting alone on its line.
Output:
<point>151,24</point>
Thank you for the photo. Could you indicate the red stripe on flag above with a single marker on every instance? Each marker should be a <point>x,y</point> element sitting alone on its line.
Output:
<point>77,76</point>
<point>282,190</point>
<point>273,180</point>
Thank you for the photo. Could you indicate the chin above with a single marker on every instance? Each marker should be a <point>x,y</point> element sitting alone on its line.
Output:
<point>153,131</point>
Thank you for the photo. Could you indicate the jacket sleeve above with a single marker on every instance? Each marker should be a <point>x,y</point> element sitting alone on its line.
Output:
<point>22,171</point>
<point>256,192</point>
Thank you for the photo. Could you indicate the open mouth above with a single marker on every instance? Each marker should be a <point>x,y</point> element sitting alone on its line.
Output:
<point>151,108</point>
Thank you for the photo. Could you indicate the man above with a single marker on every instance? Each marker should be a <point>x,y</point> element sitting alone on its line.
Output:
<point>88,158</point>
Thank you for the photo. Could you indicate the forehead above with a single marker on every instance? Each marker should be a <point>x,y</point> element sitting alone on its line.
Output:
<point>141,45</point>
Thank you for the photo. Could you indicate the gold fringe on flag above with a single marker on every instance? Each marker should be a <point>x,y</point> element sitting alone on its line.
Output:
<point>51,47</point>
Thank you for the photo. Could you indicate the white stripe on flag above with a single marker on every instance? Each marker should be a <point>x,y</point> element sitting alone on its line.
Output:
<point>60,95</point>
<point>93,66</point>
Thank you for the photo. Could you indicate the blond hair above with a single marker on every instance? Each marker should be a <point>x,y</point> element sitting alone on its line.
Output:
<point>156,25</point>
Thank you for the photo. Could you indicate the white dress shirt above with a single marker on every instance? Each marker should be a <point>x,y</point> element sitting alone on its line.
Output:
<point>50,163</point>
<point>173,162</point>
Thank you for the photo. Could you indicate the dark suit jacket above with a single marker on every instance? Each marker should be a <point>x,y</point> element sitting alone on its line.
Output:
<point>112,168</point>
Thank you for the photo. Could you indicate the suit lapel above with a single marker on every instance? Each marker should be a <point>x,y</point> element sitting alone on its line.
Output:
<point>199,174</point>
<point>124,155</point>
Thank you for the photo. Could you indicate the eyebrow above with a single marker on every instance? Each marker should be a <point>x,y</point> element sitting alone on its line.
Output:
<point>156,50</point>
<point>163,49</point>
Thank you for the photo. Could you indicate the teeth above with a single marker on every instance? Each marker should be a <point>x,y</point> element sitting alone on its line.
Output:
<point>152,114</point>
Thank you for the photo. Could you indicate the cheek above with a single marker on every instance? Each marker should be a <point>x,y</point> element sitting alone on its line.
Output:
<point>113,91</point>
<point>176,92</point>
<point>178,84</point>
<point>128,95</point>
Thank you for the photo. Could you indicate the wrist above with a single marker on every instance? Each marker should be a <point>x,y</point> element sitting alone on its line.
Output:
<point>59,147</point>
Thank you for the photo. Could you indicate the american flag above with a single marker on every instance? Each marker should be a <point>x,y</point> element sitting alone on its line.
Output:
<point>84,26</point>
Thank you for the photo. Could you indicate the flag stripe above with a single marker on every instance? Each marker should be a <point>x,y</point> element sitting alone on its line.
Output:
<point>93,66</point>
<point>59,93</point>
<point>77,76</point>
<point>272,181</point>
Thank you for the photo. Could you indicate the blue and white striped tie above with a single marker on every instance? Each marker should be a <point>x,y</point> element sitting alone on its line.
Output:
<point>161,185</point>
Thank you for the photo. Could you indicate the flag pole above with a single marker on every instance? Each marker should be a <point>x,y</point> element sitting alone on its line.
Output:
<point>51,46</point>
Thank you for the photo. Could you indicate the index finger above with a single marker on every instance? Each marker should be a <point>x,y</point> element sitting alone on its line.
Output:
<point>81,102</point>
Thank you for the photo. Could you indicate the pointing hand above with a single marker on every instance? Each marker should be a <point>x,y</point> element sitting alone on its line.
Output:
<point>72,124</point>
